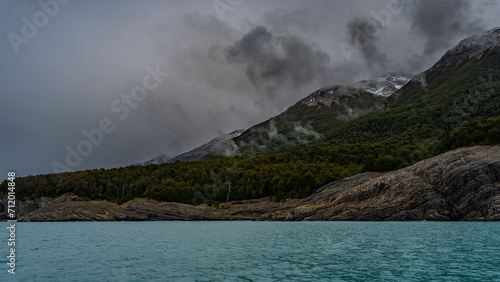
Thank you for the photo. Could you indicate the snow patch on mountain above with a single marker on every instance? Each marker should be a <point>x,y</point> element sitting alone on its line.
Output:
<point>219,143</point>
<point>385,84</point>
<point>195,154</point>
<point>330,95</point>
<point>472,46</point>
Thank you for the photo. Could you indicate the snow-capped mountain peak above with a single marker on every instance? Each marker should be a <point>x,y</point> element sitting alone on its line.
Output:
<point>385,84</point>
<point>472,46</point>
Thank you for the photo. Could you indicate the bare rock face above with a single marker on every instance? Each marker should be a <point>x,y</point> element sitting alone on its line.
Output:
<point>69,207</point>
<point>147,209</point>
<point>328,96</point>
<point>459,185</point>
<point>21,207</point>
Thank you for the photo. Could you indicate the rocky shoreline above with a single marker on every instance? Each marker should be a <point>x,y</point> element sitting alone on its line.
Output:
<point>461,185</point>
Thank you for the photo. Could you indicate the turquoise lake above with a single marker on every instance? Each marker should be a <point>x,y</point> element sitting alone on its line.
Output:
<point>254,251</point>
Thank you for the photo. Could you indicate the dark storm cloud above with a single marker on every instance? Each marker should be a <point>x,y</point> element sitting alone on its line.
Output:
<point>363,34</point>
<point>205,95</point>
<point>440,22</point>
<point>273,61</point>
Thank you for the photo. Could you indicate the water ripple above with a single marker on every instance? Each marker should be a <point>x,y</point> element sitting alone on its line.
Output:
<point>257,251</point>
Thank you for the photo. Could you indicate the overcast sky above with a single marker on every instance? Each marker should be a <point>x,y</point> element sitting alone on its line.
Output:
<point>66,68</point>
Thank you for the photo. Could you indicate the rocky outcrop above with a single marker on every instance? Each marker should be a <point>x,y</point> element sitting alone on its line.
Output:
<point>146,209</point>
<point>22,207</point>
<point>459,185</point>
<point>69,207</point>
<point>339,96</point>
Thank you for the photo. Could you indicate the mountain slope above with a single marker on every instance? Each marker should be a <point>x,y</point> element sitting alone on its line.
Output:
<point>463,85</point>
<point>196,154</point>
<point>200,152</point>
<point>384,85</point>
<point>308,120</point>
<point>161,159</point>
<point>472,46</point>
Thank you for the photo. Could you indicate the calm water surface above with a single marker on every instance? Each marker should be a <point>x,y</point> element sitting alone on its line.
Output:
<point>254,251</point>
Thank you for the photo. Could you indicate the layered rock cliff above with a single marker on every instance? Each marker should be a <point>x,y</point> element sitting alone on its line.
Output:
<point>460,185</point>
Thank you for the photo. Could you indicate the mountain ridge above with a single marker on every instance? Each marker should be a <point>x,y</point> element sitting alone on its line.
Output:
<point>195,154</point>
<point>200,152</point>
<point>383,85</point>
<point>472,46</point>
